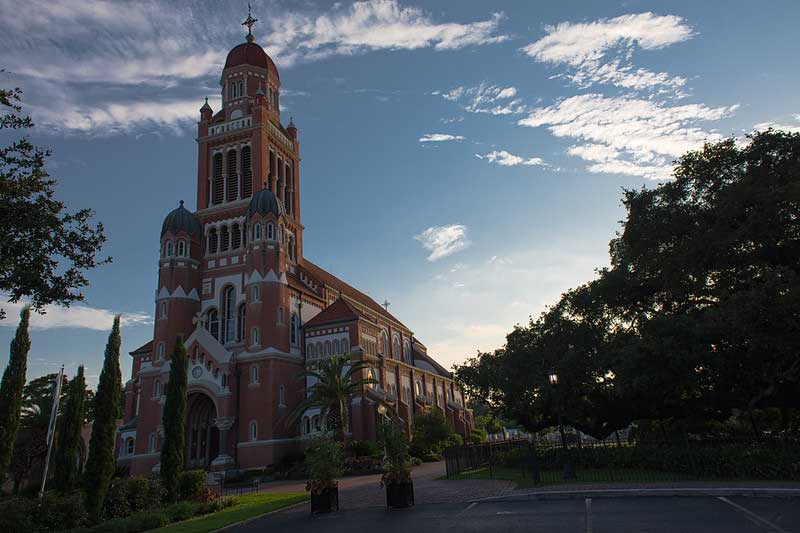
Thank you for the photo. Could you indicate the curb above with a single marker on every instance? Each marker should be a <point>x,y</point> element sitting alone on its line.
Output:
<point>258,517</point>
<point>755,492</point>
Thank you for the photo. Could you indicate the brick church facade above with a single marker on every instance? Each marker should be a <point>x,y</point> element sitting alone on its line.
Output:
<point>234,284</point>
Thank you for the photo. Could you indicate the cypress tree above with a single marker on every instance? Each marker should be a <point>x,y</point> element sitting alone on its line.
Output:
<point>69,436</point>
<point>100,465</point>
<point>173,421</point>
<point>11,390</point>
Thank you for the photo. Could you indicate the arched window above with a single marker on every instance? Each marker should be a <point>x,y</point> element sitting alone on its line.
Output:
<point>418,388</point>
<point>320,350</point>
<point>247,173</point>
<point>213,241</point>
<point>336,346</point>
<point>256,293</point>
<point>212,323</point>
<point>236,237</point>
<point>328,348</point>
<point>168,252</point>
<point>253,373</point>
<point>407,351</point>
<point>282,396</point>
<point>374,377</point>
<point>310,351</point>
<point>294,329</point>
<point>160,351</point>
<point>241,330</point>
<point>129,445</point>
<point>280,232</point>
<point>241,88</point>
<point>228,303</point>
<point>307,425</point>
<point>256,337</point>
<point>153,442</point>
<point>217,183</point>
<point>396,347</point>
<point>345,346</point>
<point>225,239</point>
<point>290,247</point>
<point>270,231</point>
<point>232,180</point>
<point>157,388</point>
<point>257,232</point>
<point>253,430</point>
<point>384,343</point>
<point>163,310</point>
<point>181,248</point>
<point>280,315</point>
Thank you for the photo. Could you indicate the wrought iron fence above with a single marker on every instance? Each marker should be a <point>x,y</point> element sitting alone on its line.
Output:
<point>547,462</point>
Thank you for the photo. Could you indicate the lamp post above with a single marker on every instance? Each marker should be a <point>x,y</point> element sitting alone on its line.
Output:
<point>569,470</point>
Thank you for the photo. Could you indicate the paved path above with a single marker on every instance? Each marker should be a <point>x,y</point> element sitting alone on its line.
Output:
<point>359,492</point>
<point>652,515</point>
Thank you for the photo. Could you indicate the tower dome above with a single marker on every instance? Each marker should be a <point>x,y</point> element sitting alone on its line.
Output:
<point>265,202</point>
<point>252,54</point>
<point>181,219</point>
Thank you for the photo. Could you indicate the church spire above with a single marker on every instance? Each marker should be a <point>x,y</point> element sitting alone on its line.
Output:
<point>249,23</point>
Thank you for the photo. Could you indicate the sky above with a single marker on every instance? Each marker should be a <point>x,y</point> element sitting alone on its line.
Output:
<point>463,160</point>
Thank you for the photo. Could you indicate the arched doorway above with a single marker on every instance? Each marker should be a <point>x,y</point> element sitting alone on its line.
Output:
<point>202,438</point>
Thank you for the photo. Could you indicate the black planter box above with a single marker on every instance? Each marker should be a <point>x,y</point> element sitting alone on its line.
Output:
<point>325,501</point>
<point>399,495</point>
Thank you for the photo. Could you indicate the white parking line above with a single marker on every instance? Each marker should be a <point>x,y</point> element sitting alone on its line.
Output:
<point>470,506</point>
<point>758,519</point>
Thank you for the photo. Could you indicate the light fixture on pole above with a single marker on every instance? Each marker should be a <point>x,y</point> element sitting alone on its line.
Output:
<point>569,470</point>
<point>552,377</point>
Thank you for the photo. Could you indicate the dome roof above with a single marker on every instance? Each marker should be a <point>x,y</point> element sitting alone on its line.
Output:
<point>265,202</point>
<point>181,219</point>
<point>250,54</point>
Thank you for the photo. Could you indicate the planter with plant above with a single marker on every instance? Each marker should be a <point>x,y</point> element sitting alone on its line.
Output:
<point>396,463</point>
<point>324,460</point>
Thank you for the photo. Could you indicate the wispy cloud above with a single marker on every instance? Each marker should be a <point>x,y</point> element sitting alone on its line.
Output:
<point>439,137</point>
<point>792,125</point>
<point>600,52</point>
<point>630,136</point>
<point>75,316</point>
<point>485,98</point>
<point>442,241</point>
<point>104,59</point>
<point>507,159</point>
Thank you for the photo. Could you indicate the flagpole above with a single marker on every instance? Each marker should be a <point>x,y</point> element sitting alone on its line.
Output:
<point>51,428</point>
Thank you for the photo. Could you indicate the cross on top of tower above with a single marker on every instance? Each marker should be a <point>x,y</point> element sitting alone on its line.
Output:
<point>386,304</point>
<point>249,23</point>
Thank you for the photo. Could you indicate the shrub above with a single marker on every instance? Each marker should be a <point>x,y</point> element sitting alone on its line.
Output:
<point>362,448</point>
<point>324,460</point>
<point>416,461</point>
<point>362,465</point>
<point>453,439</point>
<point>135,523</point>
<point>184,511</point>
<point>192,485</point>
<point>56,513</point>
<point>131,495</point>
<point>430,431</point>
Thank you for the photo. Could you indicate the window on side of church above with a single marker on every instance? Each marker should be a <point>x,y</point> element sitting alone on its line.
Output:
<point>181,248</point>
<point>168,252</point>
<point>270,231</point>
<point>253,430</point>
<point>153,442</point>
<point>241,330</point>
<point>280,316</point>
<point>294,329</point>
<point>256,335</point>
<point>282,396</point>
<point>254,374</point>
<point>230,317</point>
<point>160,351</point>
<point>163,311</point>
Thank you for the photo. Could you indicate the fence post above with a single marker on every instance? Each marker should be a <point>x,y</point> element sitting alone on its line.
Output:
<point>491,471</point>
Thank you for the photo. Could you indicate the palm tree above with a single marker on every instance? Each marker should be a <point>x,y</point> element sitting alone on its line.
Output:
<point>337,378</point>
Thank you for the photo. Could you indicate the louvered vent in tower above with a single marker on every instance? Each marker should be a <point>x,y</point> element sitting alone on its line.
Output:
<point>247,173</point>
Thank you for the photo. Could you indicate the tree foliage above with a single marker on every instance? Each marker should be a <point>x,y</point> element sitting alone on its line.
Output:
<point>45,251</point>
<point>430,431</point>
<point>100,464</point>
<point>695,319</point>
<point>69,434</point>
<point>173,421</point>
<point>11,390</point>
<point>336,379</point>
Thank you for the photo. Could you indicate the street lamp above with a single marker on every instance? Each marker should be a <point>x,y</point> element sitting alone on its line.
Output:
<point>569,471</point>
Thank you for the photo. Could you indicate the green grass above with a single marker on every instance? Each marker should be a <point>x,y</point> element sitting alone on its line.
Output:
<point>553,477</point>
<point>247,506</point>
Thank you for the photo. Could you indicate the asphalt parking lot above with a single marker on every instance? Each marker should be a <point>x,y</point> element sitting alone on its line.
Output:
<point>651,514</point>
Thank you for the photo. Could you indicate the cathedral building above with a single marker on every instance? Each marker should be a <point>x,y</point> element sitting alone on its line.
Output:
<point>253,311</point>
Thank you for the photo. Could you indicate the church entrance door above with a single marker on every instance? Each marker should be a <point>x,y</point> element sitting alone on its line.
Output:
<point>202,438</point>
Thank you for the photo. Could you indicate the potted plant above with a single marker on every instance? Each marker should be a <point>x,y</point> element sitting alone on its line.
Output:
<point>396,463</point>
<point>324,464</point>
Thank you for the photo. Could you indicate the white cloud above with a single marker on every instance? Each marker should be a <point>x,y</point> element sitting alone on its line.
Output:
<point>439,137</point>
<point>100,57</point>
<point>587,46</point>
<point>75,316</point>
<point>507,159</point>
<point>628,135</point>
<point>783,126</point>
<point>442,241</point>
<point>485,98</point>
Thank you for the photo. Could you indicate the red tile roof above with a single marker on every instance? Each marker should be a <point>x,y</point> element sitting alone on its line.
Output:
<point>329,279</point>
<point>145,348</point>
<point>338,311</point>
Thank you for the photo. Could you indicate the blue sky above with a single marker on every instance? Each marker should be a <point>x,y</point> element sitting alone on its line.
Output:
<point>464,160</point>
